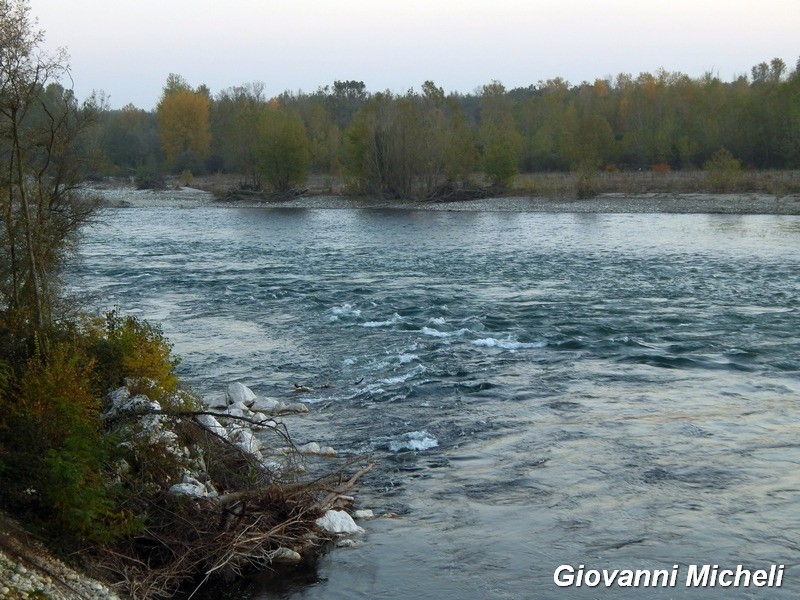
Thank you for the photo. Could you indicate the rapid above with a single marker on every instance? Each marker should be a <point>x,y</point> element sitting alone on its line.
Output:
<point>619,391</point>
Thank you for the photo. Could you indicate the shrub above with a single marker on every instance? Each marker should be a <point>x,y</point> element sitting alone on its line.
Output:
<point>150,181</point>
<point>499,162</point>
<point>131,348</point>
<point>57,444</point>
<point>586,181</point>
<point>723,171</point>
<point>58,458</point>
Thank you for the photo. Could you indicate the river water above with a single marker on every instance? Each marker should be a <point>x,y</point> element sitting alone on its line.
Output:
<point>615,391</point>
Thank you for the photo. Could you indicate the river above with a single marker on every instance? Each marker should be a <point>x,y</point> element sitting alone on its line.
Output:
<point>614,391</point>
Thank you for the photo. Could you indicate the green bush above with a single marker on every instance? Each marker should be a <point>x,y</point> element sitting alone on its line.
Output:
<point>499,162</point>
<point>135,349</point>
<point>723,171</point>
<point>56,445</point>
<point>60,462</point>
<point>586,181</point>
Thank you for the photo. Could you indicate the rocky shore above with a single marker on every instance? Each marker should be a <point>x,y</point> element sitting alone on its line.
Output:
<point>29,570</point>
<point>735,204</point>
<point>695,203</point>
<point>239,419</point>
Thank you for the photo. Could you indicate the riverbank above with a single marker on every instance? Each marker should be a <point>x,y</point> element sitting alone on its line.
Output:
<point>737,204</point>
<point>251,527</point>
<point>29,570</point>
<point>127,196</point>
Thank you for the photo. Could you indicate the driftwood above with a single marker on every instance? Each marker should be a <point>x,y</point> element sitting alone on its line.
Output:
<point>258,517</point>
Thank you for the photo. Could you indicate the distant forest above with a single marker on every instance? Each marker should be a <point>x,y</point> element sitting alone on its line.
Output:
<point>409,145</point>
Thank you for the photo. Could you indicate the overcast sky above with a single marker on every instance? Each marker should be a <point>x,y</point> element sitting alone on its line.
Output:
<point>128,47</point>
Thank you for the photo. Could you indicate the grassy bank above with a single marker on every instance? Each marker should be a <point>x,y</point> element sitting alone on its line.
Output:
<point>568,185</point>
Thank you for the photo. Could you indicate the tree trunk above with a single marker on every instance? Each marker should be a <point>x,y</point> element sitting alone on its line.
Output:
<point>26,217</point>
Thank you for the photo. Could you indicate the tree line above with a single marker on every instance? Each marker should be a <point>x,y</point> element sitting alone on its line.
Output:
<point>411,144</point>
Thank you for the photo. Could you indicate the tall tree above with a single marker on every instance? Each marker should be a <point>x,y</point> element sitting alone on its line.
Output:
<point>40,128</point>
<point>130,138</point>
<point>502,143</point>
<point>283,155</point>
<point>225,119</point>
<point>183,124</point>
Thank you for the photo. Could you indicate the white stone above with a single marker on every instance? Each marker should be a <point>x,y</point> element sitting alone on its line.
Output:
<point>364,514</point>
<point>239,405</point>
<point>216,402</point>
<point>119,396</point>
<point>338,521</point>
<point>268,404</point>
<point>309,448</point>
<point>121,402</point>
<point>214,426</point>
<point>285,555</point>
<point>273,466</point>
<point>170,438</point>
<point>263,421</point>
<point>190,486</point>
<point>140,403</point>
<point>240,393</point>
<point>237,412</point>
<point>245,440</point>
<point>187,489</point>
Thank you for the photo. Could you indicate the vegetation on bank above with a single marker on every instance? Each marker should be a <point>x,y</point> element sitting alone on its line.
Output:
<point>426,143</point>
<point>101,451</point>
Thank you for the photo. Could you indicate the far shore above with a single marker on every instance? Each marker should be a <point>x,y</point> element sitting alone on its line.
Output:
<point>671,203</point>
<point>734,204</point>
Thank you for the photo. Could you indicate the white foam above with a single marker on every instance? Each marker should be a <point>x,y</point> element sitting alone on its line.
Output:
<point>437,321</point>
<point>345,311</point>
<point>407,358</point>
<point>395,319</point>
<point>403,378</point>
<point>375,390</point>
<point>416,441</point>
<point>507,344</point>
<point>443,334</point>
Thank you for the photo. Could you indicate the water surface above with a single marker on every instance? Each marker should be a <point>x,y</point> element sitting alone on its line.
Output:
<point>618,391</point>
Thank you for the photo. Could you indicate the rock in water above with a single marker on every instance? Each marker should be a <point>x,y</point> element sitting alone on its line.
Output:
<point>240,393</point>
<point>286,555</point>
<point>338,521</point>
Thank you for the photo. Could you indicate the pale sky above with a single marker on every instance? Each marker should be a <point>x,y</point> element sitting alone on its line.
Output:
<point>128,47</point>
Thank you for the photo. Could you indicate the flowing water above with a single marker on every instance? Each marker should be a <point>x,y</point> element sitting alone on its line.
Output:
<point>614,391</point>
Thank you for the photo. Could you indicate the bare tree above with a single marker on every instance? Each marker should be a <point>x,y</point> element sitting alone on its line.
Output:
<point>40,131</point>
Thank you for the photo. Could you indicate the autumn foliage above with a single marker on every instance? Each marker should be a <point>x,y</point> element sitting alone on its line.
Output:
<point>183,125</point>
